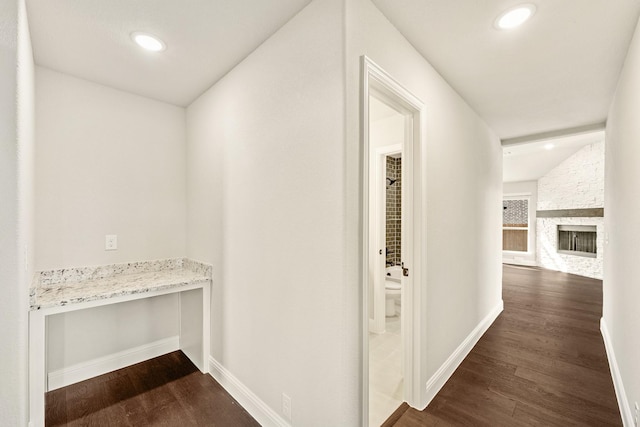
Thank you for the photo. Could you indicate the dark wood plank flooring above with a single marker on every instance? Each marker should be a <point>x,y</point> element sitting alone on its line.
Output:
<point>542,362</point>
<point>165,391</point>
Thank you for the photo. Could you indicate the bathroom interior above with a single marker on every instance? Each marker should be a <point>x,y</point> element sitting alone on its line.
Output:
<point>385,345</point>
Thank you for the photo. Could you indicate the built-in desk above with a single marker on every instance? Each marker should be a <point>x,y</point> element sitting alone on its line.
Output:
<point>61,291</point>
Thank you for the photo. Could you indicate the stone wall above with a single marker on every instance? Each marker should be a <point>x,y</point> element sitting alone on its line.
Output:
<point>548,256</point>
<point>576,183</point>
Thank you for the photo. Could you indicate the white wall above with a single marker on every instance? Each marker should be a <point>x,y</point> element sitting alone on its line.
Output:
<point>576,183</point>
<point>273,201</point>
<point>107,162</point>
<point>266,206</point>
<point>26,144</point>
<point>464,189</point>
<point>622,207</point>
<point>529,188</point>
<point>26,189</point>
<point>386,131</point>
<point>12,318</point>
<point>86,335</point>
<point>16,193</point>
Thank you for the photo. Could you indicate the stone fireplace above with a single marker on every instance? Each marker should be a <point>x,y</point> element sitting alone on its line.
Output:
<point>570,214</point>
<point>562,244</point>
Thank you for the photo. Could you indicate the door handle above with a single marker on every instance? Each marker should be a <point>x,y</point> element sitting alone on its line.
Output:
<point>405,271</point>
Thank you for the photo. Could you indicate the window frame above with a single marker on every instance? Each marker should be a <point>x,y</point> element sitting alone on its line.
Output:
<point>526,197</point>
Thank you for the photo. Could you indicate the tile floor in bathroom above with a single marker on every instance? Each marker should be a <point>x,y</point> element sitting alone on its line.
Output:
<point>385,372</point>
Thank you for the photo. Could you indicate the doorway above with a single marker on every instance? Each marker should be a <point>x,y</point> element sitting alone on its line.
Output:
<point>386,370</point>
<point>392,131</point>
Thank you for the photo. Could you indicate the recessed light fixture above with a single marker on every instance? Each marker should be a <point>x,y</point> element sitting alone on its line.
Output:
<point>549,146</point>
<point>148,41</point>
<point>515,17</point>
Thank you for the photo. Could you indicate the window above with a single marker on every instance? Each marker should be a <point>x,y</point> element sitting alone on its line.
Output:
<point>515,224</point>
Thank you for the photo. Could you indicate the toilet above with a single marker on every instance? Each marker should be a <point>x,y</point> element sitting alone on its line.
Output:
<point>392,289</point>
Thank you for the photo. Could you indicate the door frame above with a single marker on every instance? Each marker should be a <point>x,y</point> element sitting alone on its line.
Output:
<point>375,81</point>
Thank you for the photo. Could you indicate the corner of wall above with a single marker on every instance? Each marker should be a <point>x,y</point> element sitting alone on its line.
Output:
<point>444,372</point>
<point>247,398</point>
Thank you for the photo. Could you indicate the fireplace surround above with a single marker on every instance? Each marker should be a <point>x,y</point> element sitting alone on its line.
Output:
<point>578,240</point>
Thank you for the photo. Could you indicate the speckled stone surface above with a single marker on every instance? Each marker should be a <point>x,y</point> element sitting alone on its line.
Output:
<point>75,285</point>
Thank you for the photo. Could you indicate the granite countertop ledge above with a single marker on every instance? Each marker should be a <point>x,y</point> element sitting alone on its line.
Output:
<point>62,287</point>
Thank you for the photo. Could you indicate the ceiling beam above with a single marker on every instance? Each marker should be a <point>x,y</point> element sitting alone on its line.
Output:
<point>553,134</point>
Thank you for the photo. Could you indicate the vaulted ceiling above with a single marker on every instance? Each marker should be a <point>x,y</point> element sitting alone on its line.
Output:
<point>533,160</point>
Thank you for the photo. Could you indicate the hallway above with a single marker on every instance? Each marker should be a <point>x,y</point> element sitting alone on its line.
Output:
<point>542,362</point>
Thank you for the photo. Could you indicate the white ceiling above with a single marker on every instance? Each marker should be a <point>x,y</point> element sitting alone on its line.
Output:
<point>205,39</point>
<point>531,161</point>
<point>558,71</point>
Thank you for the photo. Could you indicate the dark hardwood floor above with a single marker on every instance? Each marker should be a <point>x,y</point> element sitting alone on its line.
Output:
<point>542,362</point>
<point>166,391</point>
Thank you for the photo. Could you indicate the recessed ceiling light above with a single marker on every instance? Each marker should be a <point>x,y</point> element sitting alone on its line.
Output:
<point>549,146</point>
<point>515,17</point>
<point>148,42</point>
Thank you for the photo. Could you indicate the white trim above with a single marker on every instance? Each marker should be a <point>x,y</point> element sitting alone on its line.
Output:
<point>530,236</point>
<point>621,395</point>
<point>445,371</point>
<point>517,195</point>
<point>364,251</point>
<point>374,80</point>
<point>48,311</point>
<point>101,365</point>
<point>528,262</point>
<point>259,410</point>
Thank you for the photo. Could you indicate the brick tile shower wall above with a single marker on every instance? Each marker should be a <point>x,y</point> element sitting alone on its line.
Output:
<point>394,203</point>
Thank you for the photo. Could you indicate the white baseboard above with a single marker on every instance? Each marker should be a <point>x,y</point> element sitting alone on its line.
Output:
<point>445,371</point>
<point>527,262</point>
<point>621,395</point>
<point>102,365</point>
<point>247,399</point>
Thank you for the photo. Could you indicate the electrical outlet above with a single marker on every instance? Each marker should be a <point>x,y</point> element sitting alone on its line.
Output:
<point>110,242</point>
<point>637,413</point>
<point>286,406</point>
